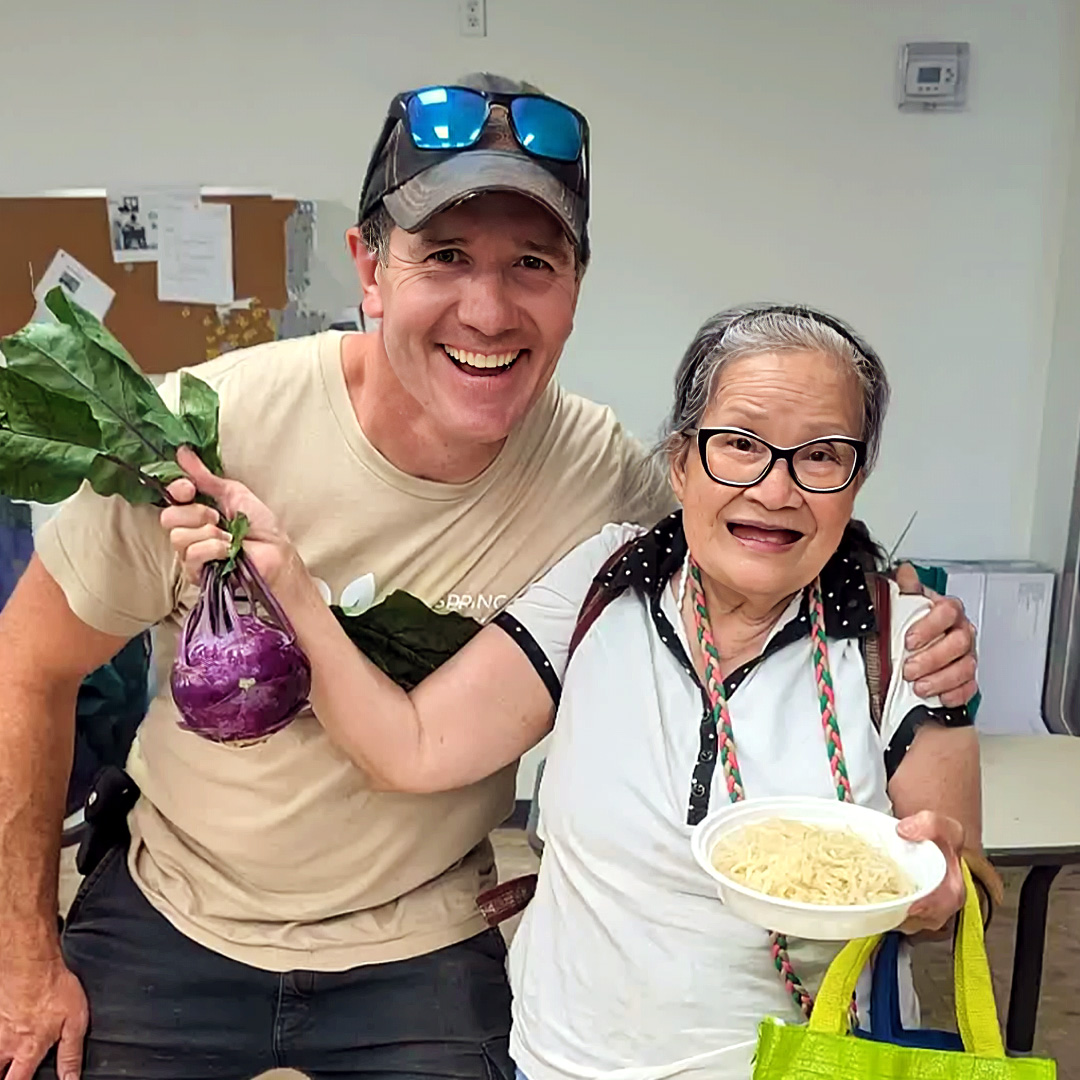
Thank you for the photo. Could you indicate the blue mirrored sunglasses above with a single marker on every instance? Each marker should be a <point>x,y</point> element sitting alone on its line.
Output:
<point>453,118</point>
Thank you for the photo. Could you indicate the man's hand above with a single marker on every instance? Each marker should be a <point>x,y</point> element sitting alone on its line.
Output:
<point>198,539</point>
<point>943,643</point>
<point>41,1005</point>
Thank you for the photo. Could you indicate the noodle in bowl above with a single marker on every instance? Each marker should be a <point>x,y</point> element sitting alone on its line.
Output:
<point>841,870</point>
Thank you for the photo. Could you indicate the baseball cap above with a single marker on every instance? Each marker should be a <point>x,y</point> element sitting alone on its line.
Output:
<point>415,184</point>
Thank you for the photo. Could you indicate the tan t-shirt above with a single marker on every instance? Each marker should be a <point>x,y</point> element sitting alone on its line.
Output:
<point>280,855</point>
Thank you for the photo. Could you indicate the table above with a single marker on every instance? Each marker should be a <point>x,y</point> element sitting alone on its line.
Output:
<point>1031,817</point>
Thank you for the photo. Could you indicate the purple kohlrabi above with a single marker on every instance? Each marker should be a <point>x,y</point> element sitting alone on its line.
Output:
<point>239,675</point>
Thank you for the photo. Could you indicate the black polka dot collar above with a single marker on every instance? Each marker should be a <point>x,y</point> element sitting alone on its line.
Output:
<point>653,560</point>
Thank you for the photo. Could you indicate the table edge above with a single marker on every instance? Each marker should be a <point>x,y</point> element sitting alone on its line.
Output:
<point>1034,856</point>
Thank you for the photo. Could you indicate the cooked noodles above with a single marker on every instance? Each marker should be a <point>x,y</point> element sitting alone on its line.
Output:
<point>808,863</point>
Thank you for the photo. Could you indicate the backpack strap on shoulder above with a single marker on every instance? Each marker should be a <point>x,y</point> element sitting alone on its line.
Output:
<point>877,647</point>
<point>511,897</point>
<point>597,598</point>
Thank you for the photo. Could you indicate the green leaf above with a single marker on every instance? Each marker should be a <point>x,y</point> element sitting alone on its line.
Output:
<point>31,409</point>
<point>136,425</point>
<point>111,476</point>
<point>74,406</point>
<point>406,639</point>
<point>47,441</point>
<point>165,471</point>
<point>237,528</point>
<point>78,318</point>
<point>39,469</point>
<point>199,410</point>
<point>50,443</point>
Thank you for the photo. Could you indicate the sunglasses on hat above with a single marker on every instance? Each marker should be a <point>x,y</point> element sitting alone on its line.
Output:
<point>432,123</point>
<point>453,118</point>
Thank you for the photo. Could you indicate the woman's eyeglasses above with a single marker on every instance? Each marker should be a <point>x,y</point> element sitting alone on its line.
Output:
<point>739,458</point>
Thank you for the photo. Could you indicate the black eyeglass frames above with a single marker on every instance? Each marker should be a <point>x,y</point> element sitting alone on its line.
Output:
<point>738,458</point>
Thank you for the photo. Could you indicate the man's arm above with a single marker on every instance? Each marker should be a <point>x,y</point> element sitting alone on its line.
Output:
<point>45,653</point>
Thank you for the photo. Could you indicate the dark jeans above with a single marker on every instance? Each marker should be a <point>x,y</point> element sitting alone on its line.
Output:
<point>165,1008</point>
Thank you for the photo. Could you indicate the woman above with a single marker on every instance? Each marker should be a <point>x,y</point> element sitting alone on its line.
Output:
<point>698,649</point>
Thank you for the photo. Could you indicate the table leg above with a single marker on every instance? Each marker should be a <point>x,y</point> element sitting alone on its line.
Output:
<point>1028,958</point>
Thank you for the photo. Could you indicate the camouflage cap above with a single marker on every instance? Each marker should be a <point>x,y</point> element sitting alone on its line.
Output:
<point>415,185</point>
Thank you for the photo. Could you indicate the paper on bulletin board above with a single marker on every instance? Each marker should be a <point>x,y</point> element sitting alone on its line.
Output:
<point>135,213</point>
<point>195,262</point>
<point>81,284</point>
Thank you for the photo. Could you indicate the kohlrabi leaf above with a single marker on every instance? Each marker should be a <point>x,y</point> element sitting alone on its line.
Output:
<point>112,476</point>
<point>199,411</point>
<point>165,471</point>
<point>74,406</point>
<point>31,409</point>
<point>135,423</point>
<point>40,470</point>
<point>237,528</point>
<point>406,639</point>
<point>68,312</point>
<point>47,441</point>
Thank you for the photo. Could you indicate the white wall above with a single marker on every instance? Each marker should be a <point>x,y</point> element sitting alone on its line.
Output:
<point>1061,414</point>
<point>741,150</point>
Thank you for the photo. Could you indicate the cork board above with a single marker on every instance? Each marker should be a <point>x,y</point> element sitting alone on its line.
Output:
<point>161,336</point>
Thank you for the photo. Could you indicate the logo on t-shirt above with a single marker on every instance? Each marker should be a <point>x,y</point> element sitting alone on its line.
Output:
<point>359,595</point>
<point>356,597</point>
<point>478,605</point>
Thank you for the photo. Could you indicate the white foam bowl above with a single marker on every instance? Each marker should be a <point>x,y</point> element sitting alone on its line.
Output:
<point>922,861</point>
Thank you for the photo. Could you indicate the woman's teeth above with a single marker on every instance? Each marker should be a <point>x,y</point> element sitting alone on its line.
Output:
<point>763,534</point>
<point>478,360</point>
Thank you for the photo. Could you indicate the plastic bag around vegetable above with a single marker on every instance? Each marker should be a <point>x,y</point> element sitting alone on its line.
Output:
<point>239,675</point>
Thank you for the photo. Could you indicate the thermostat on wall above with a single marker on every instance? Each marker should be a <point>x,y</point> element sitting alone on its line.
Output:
<point>933,75</point>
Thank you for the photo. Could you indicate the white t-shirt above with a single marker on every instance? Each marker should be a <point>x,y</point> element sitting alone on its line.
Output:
<point>626,965</point>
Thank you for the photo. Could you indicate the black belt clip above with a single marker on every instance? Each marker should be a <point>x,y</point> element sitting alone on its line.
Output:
<point>111,798</point>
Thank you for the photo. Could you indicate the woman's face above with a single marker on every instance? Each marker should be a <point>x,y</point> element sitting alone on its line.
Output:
<point>771,540</point>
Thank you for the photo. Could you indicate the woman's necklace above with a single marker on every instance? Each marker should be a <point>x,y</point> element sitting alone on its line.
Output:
<point>714,687</point>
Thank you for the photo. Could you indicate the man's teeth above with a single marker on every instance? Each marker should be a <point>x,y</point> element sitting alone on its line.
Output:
<point>478,360</point>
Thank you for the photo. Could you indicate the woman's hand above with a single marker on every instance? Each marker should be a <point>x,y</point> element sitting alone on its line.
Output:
<point>195,533</point>
<point>933,912</point>
<point>943,642</point>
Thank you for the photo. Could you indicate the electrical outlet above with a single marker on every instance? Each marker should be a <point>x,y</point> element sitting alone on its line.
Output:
<point>473,14</point>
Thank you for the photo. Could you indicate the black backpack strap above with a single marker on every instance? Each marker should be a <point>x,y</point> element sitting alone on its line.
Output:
<point>597,598</point>
<point>511,897</point>
<point>877,647</point>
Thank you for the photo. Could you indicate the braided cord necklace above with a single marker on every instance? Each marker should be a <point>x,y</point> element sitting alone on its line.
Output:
<point>714,687</point>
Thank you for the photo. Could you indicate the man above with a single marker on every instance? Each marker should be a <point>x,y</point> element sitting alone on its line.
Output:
<point>270,908</point>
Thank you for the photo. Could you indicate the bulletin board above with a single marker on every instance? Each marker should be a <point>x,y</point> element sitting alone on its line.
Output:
<point>161,336</point>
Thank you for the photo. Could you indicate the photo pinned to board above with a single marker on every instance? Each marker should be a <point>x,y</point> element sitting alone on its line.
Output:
<point>135,213</point>
<point>79,282</point>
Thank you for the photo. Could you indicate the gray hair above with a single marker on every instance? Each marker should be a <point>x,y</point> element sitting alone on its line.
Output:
<point>755,329</point>
<point>375,231</point>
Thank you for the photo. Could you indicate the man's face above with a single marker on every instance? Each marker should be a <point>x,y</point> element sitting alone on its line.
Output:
<point>475,309</point>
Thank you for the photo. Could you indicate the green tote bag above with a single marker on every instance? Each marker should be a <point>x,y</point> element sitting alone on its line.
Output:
<point>824,1049</point>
